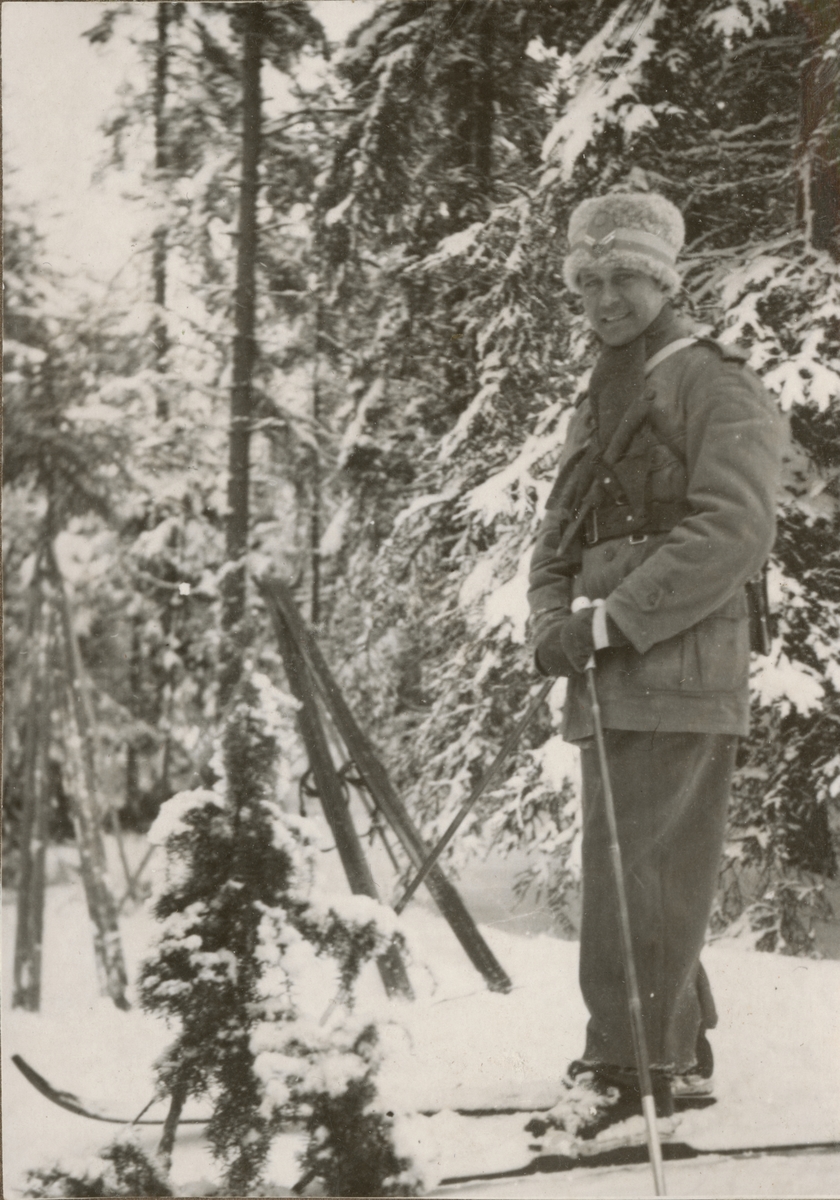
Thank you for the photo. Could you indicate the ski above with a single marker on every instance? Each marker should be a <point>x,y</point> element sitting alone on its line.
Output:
<point>90,1109</point>
<point>681,1105</point>
<point>635,1154</point>
<point>612,1156</point>
<point>82,1108</point>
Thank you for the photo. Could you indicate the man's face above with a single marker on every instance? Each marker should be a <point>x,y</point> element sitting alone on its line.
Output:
<point>619,303</point>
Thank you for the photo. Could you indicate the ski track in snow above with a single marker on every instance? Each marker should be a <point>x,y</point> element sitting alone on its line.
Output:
<point>457,1046</point>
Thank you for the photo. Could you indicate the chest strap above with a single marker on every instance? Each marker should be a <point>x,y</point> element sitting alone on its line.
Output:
<point>614,519</point>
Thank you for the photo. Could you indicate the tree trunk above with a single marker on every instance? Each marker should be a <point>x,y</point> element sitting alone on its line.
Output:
<point>79,748</point>
<point>34,827</point>
<point>470,102</point>
<point>315,518</point>
<point>482,120</point>
<point>170,1126</point>
<point>244,353</point>
<point>160,341</point>
<point>819,131</point>
<point>135,683</point>
<point>160,333</point>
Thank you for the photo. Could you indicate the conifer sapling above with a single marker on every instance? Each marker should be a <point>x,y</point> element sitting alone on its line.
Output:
<point>248,961</point>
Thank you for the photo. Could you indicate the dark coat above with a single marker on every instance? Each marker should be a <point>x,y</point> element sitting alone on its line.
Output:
<point>679,596</point>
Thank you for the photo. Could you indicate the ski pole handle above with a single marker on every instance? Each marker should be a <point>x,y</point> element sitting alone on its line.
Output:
<point>578,605</point>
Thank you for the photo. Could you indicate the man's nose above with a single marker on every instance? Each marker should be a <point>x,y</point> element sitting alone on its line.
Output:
<point>609,295</point>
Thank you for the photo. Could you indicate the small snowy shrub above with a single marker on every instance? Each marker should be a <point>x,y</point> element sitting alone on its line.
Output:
<point>332,1076</point>
<point>121,1169</point>
<point>248,961</point>
<point>351,1149</point>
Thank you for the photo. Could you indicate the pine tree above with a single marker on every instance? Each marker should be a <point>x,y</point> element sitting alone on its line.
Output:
<point>182,529</point>
<point>446,470</point>
<point>247,960</point>
<point>59,472</point>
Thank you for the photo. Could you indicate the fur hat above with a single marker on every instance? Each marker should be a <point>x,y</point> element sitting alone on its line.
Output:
<point>640,230</point>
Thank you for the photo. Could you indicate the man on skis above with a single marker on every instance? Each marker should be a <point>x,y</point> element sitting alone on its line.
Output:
<point>684,518</point>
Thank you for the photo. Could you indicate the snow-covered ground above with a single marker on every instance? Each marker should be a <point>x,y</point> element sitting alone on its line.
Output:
<point>456,1046</point>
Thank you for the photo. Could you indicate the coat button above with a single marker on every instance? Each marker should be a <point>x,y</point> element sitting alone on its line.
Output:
<point>609,552</point>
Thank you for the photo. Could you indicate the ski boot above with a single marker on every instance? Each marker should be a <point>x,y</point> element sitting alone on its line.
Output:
<point>599,1111</point>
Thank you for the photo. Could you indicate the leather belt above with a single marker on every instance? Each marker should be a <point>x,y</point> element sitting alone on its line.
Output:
<point>608,521</point>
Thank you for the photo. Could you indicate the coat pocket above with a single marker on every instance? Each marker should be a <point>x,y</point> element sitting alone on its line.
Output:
<point>660,669</point>
<point>716,651</point>
<point>712,656</point>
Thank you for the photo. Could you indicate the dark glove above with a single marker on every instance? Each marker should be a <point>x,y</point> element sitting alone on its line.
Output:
<point>577,641</point>
<point>549,655</point>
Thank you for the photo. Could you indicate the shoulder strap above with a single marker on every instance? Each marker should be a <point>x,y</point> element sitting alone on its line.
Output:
<point>667,351</point>
<point>729,351</point>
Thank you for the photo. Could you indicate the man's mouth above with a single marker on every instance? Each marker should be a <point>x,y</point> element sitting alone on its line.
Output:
<point>614,320</point>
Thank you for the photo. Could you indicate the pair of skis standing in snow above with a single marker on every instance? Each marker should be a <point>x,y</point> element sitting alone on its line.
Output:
<point>662,513</point>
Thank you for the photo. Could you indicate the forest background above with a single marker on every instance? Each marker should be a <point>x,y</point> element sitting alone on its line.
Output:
<point>383,436</point>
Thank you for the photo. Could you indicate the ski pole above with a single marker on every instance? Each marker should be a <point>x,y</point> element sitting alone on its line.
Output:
<point>633,996</point>
<point>487,778</point>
